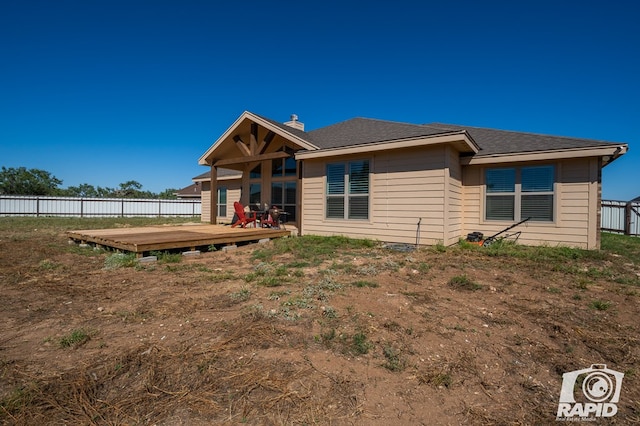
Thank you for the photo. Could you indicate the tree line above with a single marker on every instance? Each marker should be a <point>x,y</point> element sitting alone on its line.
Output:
<point>23,181</point>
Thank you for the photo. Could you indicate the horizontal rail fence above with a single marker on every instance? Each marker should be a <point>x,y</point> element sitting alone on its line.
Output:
<point>620,216</point>
<point>14,205</point>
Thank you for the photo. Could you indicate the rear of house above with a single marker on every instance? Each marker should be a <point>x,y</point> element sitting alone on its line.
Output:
<point>408,183</point>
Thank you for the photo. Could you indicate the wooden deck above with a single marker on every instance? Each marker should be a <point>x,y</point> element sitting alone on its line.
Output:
<point>152,238</point>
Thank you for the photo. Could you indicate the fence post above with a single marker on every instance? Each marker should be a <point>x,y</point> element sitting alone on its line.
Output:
<point>37,206</point>
<point>627,219</point>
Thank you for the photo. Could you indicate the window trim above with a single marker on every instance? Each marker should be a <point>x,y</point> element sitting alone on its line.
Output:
<point>219,204</point>
<point>518,193</point>
<point>346,196</point>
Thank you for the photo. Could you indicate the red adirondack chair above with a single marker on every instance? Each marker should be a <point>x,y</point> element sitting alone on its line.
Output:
<point>243,220</point>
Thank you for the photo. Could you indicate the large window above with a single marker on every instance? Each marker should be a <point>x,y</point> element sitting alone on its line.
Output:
<point>283,195</point>
<point>518,193</point>
<point>348,190</point>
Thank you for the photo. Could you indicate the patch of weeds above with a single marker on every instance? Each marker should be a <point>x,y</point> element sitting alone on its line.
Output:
<point>212,247</point>
<point>167,257</point>
<point>298,302</point>
<point>440,247</point>
<point>288,314</point>
<point>634,281</point>
<point>423,267</point>
<point>256,312</point>
<point>329,312</point>
<point>74,339</point>
<point>17,400</point>
<point>270,281</point>
<point>345,268</point>
<point>463,282</point>
<point>437,379</point>
<point>458,327</point>
<point>281,270</point>
<point>241,295</point>
<point>391,265</point>
<point>577,297</point>
<point>600,305</point>
<point>219,277</point>
<point>311,248</point>
<point>367,270</point>
<point>137,316</point>
<point>364,283</point>
<point>393,361</point>
<point>391,326</point>
<point>120,260</point>
<point>48,265</point>
<point>583,283</point>
<point>276,295</point>
<point>359,344</point>
<point>328,336</point>
<point>299,264</point>
<point>554,290</point>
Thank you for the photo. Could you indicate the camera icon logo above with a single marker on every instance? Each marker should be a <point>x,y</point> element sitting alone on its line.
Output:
<point>590,392</point>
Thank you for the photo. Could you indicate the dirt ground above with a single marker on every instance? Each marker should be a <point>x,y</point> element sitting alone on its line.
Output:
<point>357,335</point>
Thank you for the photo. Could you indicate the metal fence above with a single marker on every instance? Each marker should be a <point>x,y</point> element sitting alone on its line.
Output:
<point>620,216</point>
<point>14,205</point>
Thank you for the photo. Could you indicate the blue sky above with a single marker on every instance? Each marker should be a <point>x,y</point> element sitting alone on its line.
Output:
<point>103,92</point>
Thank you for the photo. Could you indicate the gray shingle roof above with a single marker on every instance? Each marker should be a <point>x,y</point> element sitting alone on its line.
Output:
<point>492,141</point>
<point>357,131</point>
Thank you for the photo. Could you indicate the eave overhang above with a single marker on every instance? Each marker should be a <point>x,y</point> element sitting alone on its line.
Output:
<point>608,153</point>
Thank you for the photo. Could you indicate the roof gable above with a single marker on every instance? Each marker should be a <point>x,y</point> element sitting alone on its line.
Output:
<point>225,144</point>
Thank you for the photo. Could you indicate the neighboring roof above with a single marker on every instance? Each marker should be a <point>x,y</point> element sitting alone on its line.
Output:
<point>192,191</point>
<point>636,200</point>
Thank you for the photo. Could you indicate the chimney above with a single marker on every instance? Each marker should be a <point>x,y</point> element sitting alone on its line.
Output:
<point>295,123</point>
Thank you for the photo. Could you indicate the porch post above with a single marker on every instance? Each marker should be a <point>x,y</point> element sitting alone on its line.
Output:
<point>213,202</point>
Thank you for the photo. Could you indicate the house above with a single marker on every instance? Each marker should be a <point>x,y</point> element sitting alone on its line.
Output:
<point>408,183</point>
<point>191,192</point>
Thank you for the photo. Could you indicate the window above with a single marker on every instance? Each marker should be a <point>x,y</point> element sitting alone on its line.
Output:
<point>222,201</point>
<point>255,194</point>
<point>519,193</point>
<point>348,190</point>
<point>283,195</point>
<point>283,167</point>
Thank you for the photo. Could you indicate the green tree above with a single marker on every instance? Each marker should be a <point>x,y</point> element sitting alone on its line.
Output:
<point>23,181</point>
<point>82,190</point>
<point>168,194</point>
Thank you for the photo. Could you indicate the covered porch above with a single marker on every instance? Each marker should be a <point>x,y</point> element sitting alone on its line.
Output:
<point>262,151</point>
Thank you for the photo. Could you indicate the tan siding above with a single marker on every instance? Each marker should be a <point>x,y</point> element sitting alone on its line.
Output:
<point>406,186</point>
<point>206,202</point>
<point>576,204</point>
<point>454,208</point>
